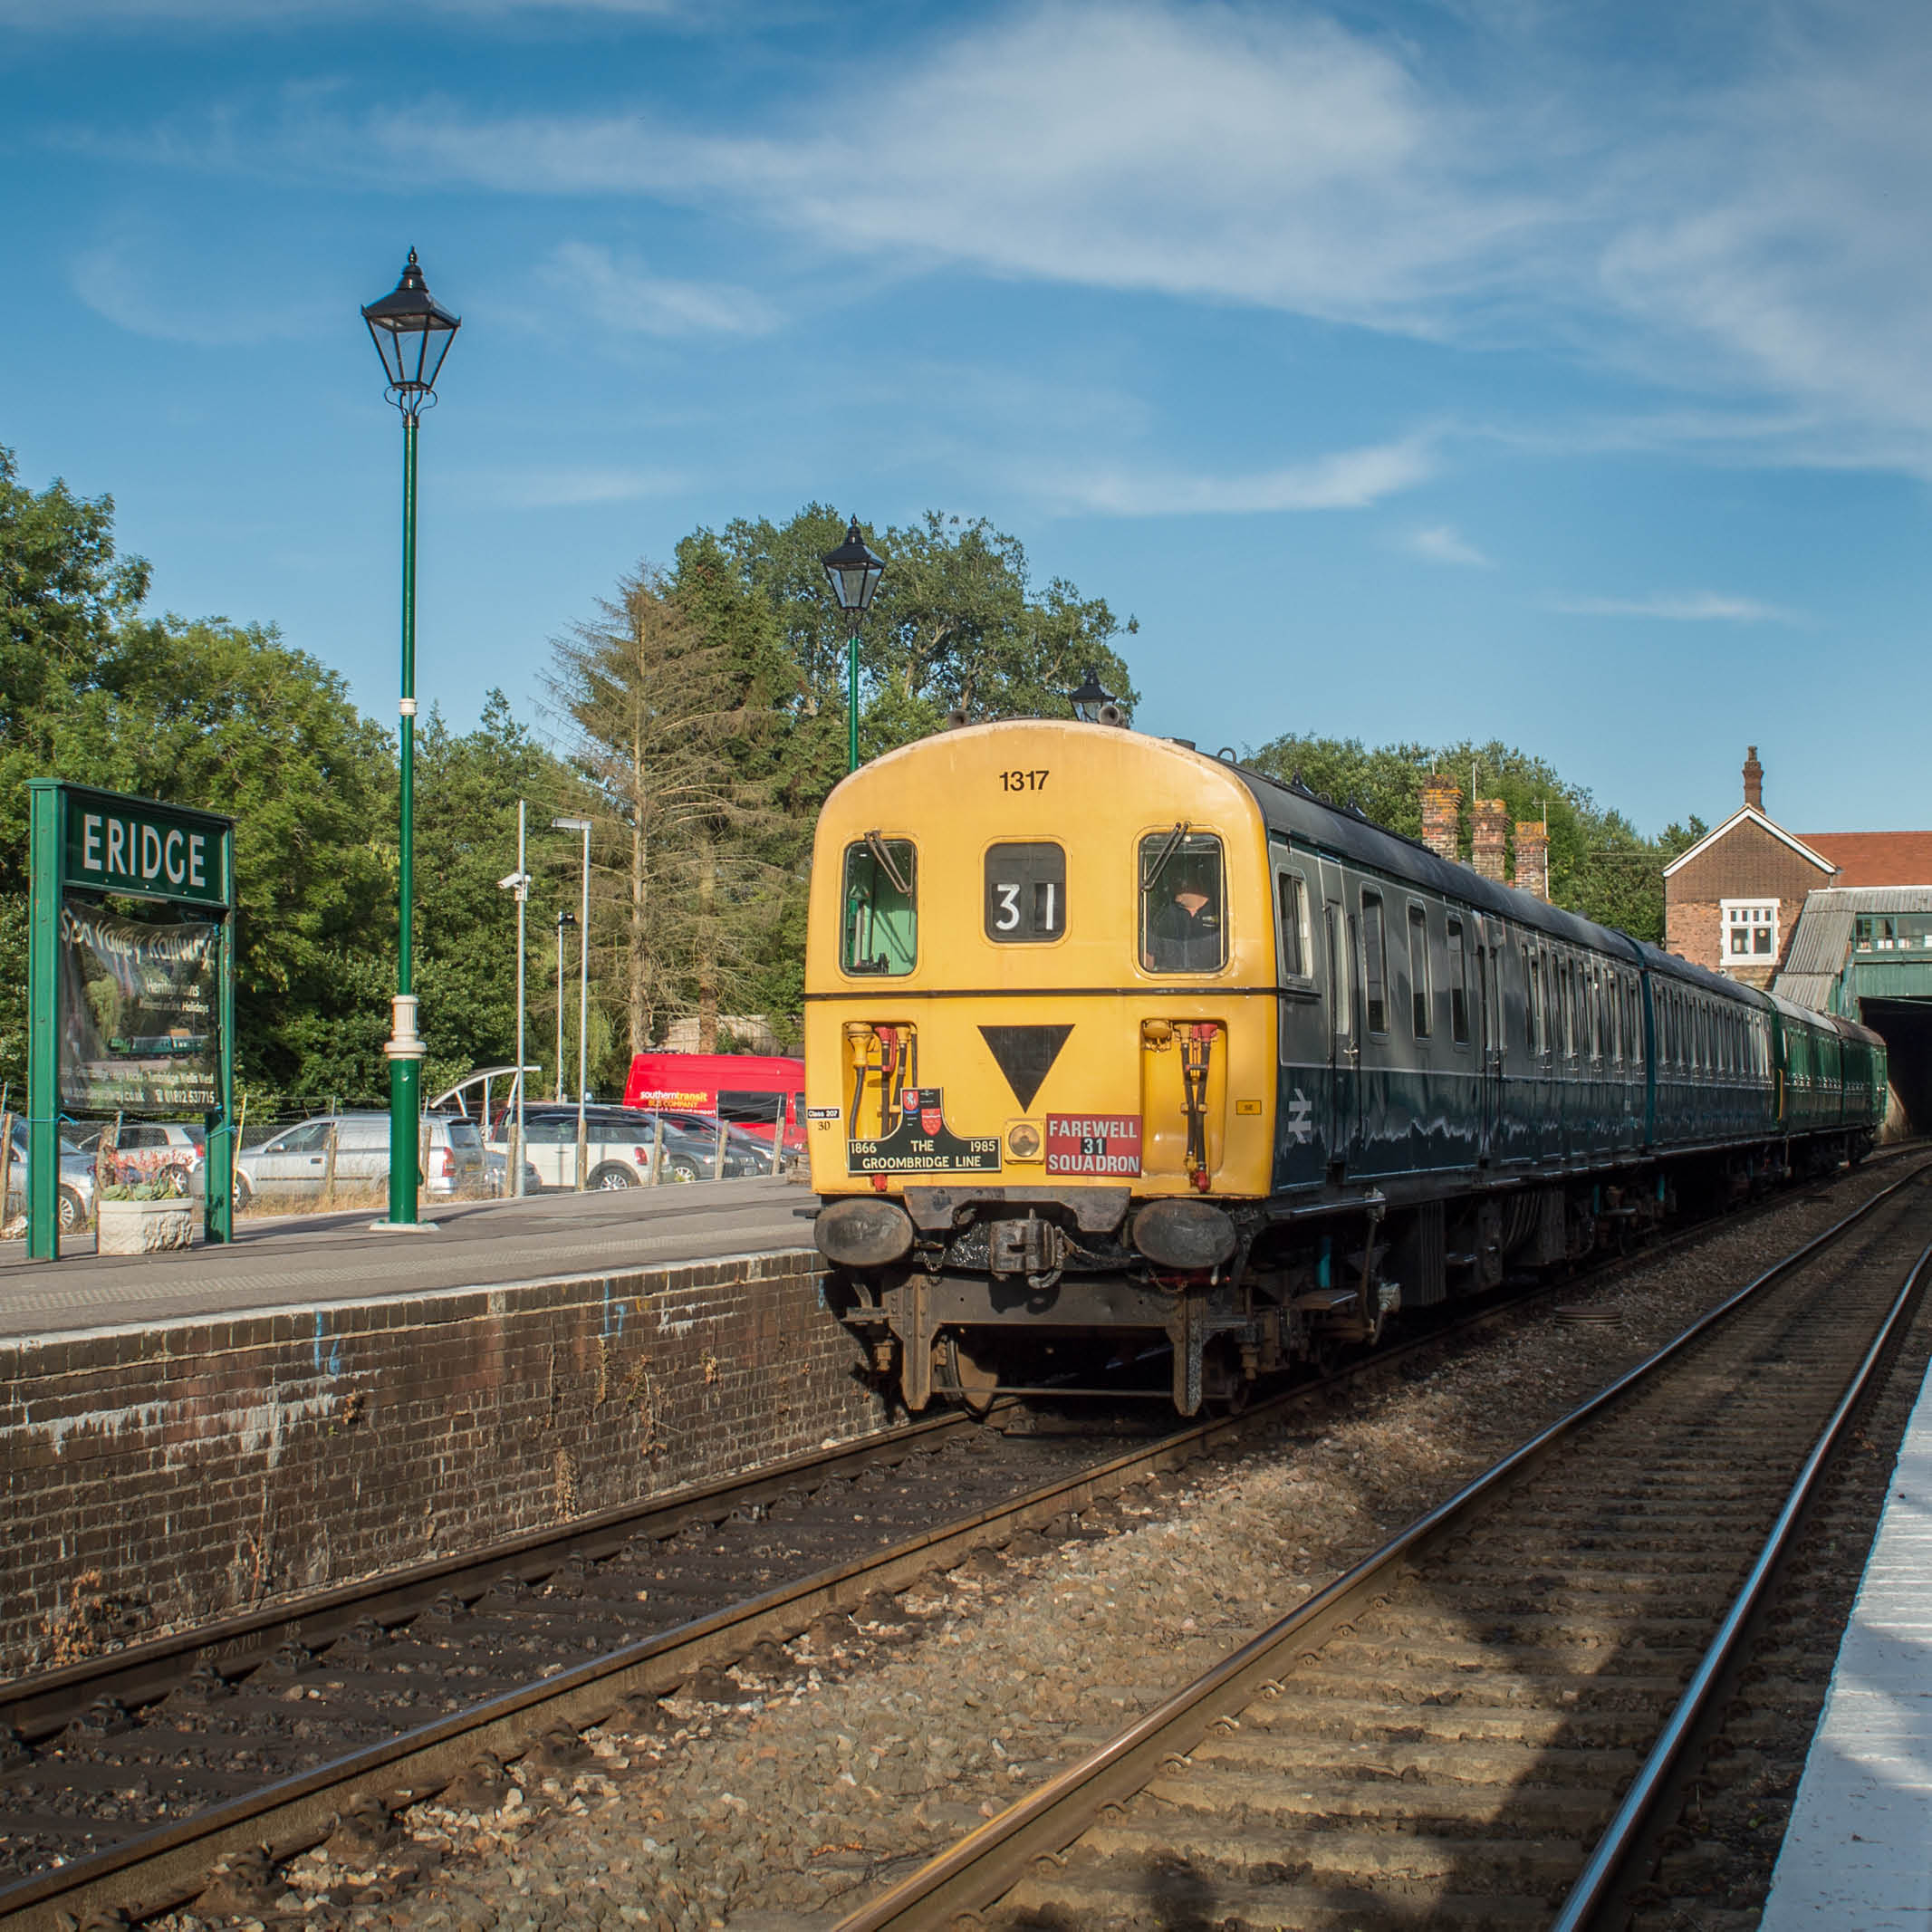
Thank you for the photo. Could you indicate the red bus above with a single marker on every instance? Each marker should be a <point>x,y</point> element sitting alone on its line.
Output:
<point>744,1089</point>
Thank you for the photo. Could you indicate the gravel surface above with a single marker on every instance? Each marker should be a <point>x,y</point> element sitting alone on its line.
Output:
<point>775,1798</point>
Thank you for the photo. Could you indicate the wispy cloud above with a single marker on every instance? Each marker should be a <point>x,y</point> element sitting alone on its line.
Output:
<point>624,296</point>
<point>1700,606</point>
<point>578,485</point>
<point>1743,236</point>
<point>1440,544</point>
<point>116,280</point>
<point>1350,479</point>
<point>1263,157</point>
<point>51,16</point>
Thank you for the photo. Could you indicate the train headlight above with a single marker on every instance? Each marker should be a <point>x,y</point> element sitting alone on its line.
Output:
<point>1022,1142</point>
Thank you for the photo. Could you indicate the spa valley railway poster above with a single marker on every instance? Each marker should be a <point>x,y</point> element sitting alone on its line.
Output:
<point>138,1012</point>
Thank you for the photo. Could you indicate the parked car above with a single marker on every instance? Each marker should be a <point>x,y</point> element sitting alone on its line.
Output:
<point>755,1154</point>
<point>617,1150</point>
<point>166,1151</point>
<point>293,1165</point>
<point>77,1182</point>
<point>496,1172</point>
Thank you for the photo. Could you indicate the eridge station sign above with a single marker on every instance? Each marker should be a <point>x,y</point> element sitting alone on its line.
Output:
<point>127,1015</point>
<point>144,851</point>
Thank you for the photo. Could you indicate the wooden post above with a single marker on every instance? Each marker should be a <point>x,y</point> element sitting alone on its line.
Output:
<point>329,1163</point>
<point>107,1165</point>
<point>6,1157</point>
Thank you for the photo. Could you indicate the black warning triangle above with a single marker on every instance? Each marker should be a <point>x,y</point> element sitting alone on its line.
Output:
<point>1026,1055</point>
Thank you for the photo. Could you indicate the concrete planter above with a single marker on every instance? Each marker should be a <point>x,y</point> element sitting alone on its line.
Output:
<point>145,1227</point>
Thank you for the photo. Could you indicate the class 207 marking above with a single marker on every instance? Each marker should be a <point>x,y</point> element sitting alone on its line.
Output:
<point>922,1143</point>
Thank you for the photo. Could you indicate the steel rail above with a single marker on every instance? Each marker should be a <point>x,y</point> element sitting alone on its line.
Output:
<point>1607,1869</point>
<point>296,1812</point>
<point>973,1874</point>
<point>41,1705</point>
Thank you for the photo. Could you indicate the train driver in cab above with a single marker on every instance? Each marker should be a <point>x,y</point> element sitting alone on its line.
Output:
<point>1182,928</point>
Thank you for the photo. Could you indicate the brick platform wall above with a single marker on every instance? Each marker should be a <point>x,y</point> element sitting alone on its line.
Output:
<point>174,1475</point>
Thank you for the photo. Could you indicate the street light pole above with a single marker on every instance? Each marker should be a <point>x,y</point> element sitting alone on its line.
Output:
<point>853,573</point>
<point>412,333</point>
<point>519,882</point>
<point>583,989</point>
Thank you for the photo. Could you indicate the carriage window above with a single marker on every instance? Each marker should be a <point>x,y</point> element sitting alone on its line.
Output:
<point>1026,894</point>
<point>1291,892</point>
<point>1419,970</point>
<point>1458,986</point>
<point>1182,927</point>
<point>881,932</point>
<point>1375,964</point>
<point>1340,974</point>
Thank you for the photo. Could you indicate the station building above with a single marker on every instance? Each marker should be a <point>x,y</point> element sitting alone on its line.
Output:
<point>1838,921</point>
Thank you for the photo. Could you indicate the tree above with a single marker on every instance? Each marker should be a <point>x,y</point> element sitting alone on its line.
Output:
<point>208,714</point>
<point>1600,866</point>
<point>467,785</point>
<point>661,723</point>
<point>956,620</point>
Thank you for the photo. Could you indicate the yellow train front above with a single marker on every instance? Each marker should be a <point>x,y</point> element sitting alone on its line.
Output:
<point>1040,1056</point>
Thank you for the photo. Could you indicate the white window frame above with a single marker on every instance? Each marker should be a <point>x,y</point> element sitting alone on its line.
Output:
<point>1745,926</point>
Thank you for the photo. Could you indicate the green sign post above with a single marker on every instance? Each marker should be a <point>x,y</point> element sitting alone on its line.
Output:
<point>133,1017</point>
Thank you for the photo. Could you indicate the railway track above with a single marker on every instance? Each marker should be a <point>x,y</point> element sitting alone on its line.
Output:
<point>1481,1723</point>
<point>138,1771</point>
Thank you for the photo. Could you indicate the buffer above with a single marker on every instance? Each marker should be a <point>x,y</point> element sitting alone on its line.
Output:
<point>1025,1055</point>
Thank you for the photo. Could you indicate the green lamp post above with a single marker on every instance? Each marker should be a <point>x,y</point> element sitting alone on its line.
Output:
<point>853,573</point>
<point>412,333</point>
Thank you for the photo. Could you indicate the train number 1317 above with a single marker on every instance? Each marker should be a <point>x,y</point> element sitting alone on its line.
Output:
<point>1023,781</point>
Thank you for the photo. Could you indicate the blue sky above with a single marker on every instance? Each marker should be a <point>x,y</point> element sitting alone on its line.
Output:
<point>1556,372</point>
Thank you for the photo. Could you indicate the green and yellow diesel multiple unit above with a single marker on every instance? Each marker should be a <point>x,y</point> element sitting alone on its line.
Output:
<point>1114,1048</point>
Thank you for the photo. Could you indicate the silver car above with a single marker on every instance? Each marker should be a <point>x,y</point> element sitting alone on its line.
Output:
<point>77,1182</point>
<point>292,1167</point>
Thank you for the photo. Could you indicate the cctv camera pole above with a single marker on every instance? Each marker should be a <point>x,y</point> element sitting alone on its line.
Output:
<point>565,917</point>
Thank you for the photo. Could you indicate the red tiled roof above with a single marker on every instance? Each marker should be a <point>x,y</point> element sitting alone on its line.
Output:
<point>1875,858</point>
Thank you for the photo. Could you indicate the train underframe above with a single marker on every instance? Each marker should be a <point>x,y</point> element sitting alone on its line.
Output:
<point>963,1294</point>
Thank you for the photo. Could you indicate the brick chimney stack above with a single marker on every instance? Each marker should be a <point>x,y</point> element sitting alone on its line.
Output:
<point>1442,803</point>
<point>1492,837</point>
<point>1533,858</point>
<point>1753,780</point>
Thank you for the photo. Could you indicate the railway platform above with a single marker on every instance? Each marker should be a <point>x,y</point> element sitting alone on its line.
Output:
<point>315,1260</point>
<point>1857,1855</point>
<point>185,1434</point>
